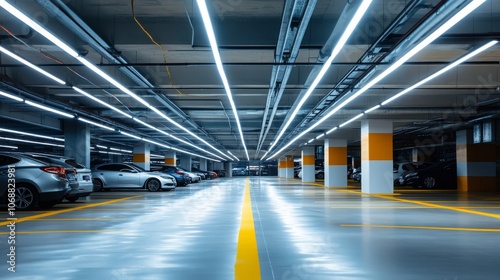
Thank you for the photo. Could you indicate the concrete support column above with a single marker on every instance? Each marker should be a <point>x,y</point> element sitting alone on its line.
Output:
<point>142,155</point>
<point>308,163</point>
<point>203,164</point>
<point>171,158</point>
<point>476,164</point>
<point>289,167</point>
<point>335,163</point>
<point>281,167</point>
<point>228,167</point>
<point>77,141</point>
<point>376,157</point>
<point>185,162</point>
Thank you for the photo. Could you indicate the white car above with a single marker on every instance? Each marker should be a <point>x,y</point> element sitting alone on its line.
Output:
<point>127,175</point>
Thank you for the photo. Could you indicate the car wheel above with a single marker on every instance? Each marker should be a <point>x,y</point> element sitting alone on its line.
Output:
<point>26,197</point>
<point>321,176</point>
<point>72,198</point>
<point>98,186</point>
<point>153,185</point>
<point>429,182</point>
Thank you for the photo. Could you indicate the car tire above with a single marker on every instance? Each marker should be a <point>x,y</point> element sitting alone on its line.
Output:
<point>321,175</point>
<point>72,198</point>
<point>429,182</point>
<point>98,185</point>
<point>26,197</point>
<point>153,185</point>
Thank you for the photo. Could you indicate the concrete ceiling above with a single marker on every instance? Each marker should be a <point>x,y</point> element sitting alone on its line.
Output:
<point>185,84</point>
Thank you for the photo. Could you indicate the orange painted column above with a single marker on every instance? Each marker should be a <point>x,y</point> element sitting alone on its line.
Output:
<point>281,167</point>
<point>289,167</point>
<point>171,159</point>
<point>335,163</point>
<point>476,164</point>
<point>142,155</point>
<point>308,163</point>
<point>376,157</point>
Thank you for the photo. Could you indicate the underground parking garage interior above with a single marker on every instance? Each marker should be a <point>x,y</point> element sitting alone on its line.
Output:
<point>249,139</point>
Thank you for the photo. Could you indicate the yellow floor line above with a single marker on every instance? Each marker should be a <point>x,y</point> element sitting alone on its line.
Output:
<point>432,205</point>
<point>247,264</point>
<point>78,219</point>
<point>57,212</point>
<point>63,231</point>
<point>424,227</point>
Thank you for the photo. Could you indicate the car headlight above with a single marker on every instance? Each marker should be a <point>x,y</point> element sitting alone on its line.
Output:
<point>411,174</point>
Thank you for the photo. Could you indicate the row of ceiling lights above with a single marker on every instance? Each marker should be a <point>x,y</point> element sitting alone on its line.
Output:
<point>429,39</point>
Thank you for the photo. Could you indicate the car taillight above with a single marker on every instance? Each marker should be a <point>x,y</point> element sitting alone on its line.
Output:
<point>179,172</point>
<point>61,171</point>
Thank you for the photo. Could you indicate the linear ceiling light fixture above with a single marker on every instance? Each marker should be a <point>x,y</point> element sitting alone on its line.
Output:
<point>32,66</point>
<point>21,16</point>
<point>218,61</point>
<point>48,109</point>
<point>234,156</point>
<point>96,124</point>
<point>8,95</point>
<point>434,35</point>
<point>31,134</point>
<point>340,44</point>
<point>8,147</point>
<point>31,142</point>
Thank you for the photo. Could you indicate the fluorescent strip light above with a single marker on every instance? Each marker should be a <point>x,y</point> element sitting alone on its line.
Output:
<point>31,142</point>
<point>156,143</point>
<point>174,137</point>
<point>233,156</point>
<point>193,154</point>
<point>48,109</point>
<point>15,12</point>
<point>31,134</point>
<point>11,96</point>
<point>442,71</point>
<point>121,150</point>
<point>101,102</point>
<point>8,147</point>
<point>218,61</point>
<point>332,130</point>
<point>96,124</point>
<point>351,120</point>
<point>102,147</point>
<point>319,136</point>
<point>156,156</point>
<point>372,109</point>
<point>32,66</point>
<point>308,142</point>
<point>443,28</point>
<point>340,44</point>
<point>131,135</point>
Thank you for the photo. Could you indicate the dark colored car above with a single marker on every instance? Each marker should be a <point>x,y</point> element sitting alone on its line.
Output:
<point>208,174</point>
<point>439,175</point>
<point>180,176</point>
<point>34,183</point>
<point>220,173</point>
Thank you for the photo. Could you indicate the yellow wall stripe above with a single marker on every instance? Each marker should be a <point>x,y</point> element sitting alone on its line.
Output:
<point>170,161</point>
<point>376,146</point>
<point>308,160</point>
<point>337,156</point>
<point>476,152</point>
<point>476,183</point>
<point>247,257</point>
<point>139,157</point>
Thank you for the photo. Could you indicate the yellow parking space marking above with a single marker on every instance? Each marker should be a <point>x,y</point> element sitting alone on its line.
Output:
<point>247,264</point>
<point>64,231</point>
<point>78,219</point>
<point>424,227</point>
<point>57,212</point>
<point>411,207</point>
<point>432,205</point>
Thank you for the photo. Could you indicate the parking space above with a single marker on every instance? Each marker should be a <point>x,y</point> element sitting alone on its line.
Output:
<point>302,231</point>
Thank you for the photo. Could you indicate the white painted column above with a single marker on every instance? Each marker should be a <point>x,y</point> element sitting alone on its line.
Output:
<point>308,163</point>
<point>376,157</point>
<point>171,158</point>
<point>142,155</point>
<point>281,167</point>
<point>185,162</point>
<point>335,163</point>
<point>203,164</point>
<point>289,167</point>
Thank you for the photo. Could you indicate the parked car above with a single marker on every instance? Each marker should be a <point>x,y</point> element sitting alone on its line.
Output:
<point>127,175</point>
<point>401,167</point>
<point>82,185</point>
<point>219,172</point>
<point>356,174</point>
<point>36,182</point>
<point>180,176</point>
<point>194,178</point>
<point>439,175</point>
<point>239,172</point>
<point>206,174</point>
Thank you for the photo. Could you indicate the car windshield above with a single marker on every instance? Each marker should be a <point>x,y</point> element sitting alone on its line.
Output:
<point>138,168</point>
<point>73,163</point>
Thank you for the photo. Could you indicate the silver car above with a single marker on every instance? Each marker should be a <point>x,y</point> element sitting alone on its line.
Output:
<point>83,176</point>
<point>126,175</point>
<point>35,183</point>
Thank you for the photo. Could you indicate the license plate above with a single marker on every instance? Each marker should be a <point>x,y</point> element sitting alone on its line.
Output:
<point>86,178</point>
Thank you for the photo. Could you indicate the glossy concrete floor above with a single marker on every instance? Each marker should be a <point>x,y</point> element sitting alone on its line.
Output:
<point>303,231</point>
